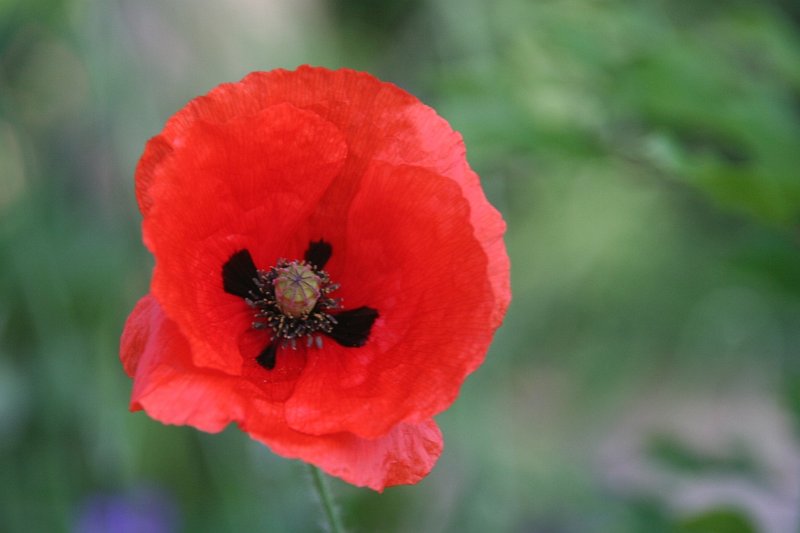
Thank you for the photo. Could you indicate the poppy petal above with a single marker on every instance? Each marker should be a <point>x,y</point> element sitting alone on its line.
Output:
<point>318,253</point>
<point>380,122</point>
<point>239,275</point>
<point>267,356</point>
<point>352,327</point>
<point>348,163</point>
<point>173,391</point>
<point>403,456</point>
<point>241,191</point>
<point>431,290</point>
<point>166,383</point>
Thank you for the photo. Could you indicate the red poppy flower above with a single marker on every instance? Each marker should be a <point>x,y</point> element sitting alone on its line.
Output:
<point>328,271</point>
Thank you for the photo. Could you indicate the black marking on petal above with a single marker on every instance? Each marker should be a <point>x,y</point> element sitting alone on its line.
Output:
<point>318,253</point>
<point>267,356</point>
<point>352,327</point>
<point>239,274</point>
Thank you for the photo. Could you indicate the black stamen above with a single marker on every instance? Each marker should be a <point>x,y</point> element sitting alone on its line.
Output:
<point>239,274</point>
<point>267,356</point>
<point>318,253</point>
<point>352,327</point>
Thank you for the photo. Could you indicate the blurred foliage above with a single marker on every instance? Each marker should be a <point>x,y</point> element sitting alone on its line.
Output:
<point>645,156</point>
<point>718,521</point>
<point>677,456</point>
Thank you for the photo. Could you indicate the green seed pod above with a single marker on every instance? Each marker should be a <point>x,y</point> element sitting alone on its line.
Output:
<point>297,289</point>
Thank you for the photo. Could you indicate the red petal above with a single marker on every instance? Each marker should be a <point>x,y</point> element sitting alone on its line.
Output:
<point>166,383</point>
<point>402,457</point>
<point>251,182</point>
<point>379,121</point>
<point>408,256</point>
<point>157,150</point>
<point>269,164</point>
<point>137,334</point>
<point>172,390</point>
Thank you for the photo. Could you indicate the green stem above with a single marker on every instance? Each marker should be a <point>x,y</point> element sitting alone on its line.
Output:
<point>321,486</point>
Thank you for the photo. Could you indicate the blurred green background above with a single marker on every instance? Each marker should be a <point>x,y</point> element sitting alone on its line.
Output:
<point>646,156</point>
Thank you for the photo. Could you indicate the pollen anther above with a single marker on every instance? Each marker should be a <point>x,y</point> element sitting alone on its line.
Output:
<point>292,301</point>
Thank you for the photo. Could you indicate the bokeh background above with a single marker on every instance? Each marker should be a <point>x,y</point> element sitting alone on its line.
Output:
<point>646,156</point>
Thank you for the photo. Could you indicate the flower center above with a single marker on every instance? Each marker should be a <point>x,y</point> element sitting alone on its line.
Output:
<point>296,289</point>
<point>292,300</point>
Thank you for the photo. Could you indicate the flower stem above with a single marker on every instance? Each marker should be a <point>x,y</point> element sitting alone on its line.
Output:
<point>321,486</point>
